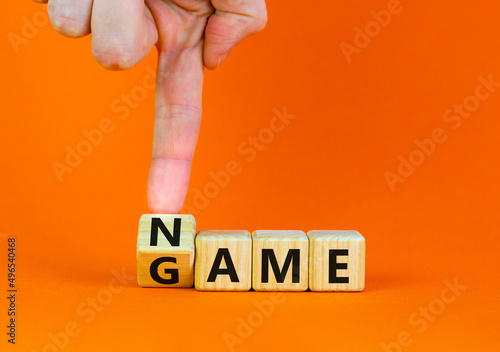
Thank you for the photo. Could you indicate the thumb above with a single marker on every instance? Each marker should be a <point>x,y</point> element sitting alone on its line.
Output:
<point>229,25</point>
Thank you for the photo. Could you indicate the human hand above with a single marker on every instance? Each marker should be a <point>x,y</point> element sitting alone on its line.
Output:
<point>188,34</point>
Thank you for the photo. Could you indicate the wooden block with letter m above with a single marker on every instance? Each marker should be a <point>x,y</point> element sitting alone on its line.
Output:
<point>166,250</point>
<point>280,260</point>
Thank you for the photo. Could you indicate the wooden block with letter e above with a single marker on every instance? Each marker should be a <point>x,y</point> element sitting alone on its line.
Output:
<point>280,260</point>
<point>336,261</point>
<point>166,250</point>
<point>224,262</point>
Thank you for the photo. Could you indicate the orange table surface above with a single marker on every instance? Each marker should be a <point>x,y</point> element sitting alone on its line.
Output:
<point>397,140</point>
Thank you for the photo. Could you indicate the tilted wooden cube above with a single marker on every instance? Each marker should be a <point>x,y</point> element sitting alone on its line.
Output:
<point>280,260</point>
<point>224,260</point>
<point>336,261</point>
<point>166,250</point>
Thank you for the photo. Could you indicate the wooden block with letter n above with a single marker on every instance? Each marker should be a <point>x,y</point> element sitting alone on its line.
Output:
<point>280,260</point>
<point>224,262</point>
<point>165,250</point>
<point>336,261</point>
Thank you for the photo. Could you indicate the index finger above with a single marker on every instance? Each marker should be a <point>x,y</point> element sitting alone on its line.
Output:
<point>177,123</point>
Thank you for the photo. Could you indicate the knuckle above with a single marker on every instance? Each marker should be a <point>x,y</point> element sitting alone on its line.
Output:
<point>67,20</point>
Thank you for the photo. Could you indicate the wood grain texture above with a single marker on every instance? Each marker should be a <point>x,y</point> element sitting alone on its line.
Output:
<point>281,247</point>
<point>323,273</point>
<point>235,245</point>
<point>182,254</point>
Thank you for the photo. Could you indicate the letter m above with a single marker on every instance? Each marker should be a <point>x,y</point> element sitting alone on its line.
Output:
<point>174,239</point>
<point>268,256</point>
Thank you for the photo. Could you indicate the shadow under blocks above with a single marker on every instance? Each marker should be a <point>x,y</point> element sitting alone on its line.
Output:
<point>171,254</point>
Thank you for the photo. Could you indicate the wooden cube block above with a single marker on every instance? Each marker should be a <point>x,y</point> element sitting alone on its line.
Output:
<point>280,260</point>
<point>336,261</point>
<point>224,262</point>
<point>165,250</point>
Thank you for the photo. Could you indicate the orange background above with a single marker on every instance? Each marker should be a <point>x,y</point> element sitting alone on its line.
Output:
<point>323,171</point>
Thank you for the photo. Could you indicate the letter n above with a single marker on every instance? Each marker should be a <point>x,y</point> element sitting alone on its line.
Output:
<point>174,239</point>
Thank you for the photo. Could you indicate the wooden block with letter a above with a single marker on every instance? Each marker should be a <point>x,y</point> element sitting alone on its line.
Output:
<point>280,260</point>
<point>336,261</point>
<point>165,250</point>
<point>224,262</point>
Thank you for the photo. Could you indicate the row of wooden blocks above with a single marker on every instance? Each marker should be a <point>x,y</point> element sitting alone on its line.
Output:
<point>235,260</point>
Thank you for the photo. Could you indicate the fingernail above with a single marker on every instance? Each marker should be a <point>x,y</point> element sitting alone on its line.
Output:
<point>223,57</point>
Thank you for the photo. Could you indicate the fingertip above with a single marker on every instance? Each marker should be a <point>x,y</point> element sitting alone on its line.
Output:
<point>210,65</point>
<point>123,33</point>
<point>167,185</point>
<point>159,209</point>
<point>119,57</point>
<point>70,19</point>
<point>213,61</point>
<point>113,57</point>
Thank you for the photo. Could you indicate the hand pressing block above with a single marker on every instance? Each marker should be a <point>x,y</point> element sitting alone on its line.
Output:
<point>234,260</point>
